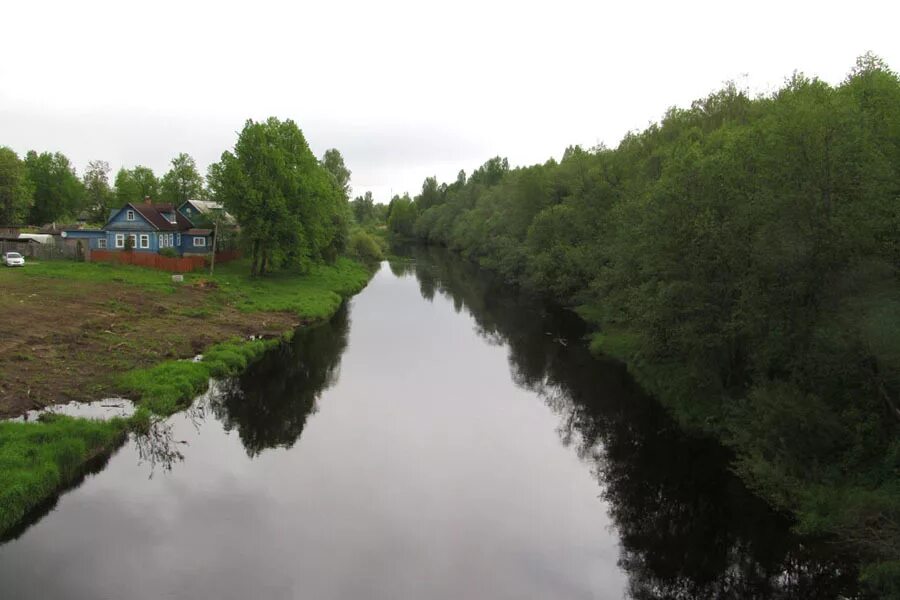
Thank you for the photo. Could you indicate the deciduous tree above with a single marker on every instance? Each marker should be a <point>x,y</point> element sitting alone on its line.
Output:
<point>99,196</point>
<point>134,185</point>
<point>334,164</point>
<point>15,189</point>
<point>181,182</point>
<point>289,207</point>
<point>58,193</point>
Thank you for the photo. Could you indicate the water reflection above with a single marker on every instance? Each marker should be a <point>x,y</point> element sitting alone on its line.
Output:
<point>269,404</point>
<point>688,528</point>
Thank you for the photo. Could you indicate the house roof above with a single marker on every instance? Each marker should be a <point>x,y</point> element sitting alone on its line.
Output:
<point>195,231</point>
<point>15,238</point>
<point>153,214</point>
<point>207,208</point>
<point>55,229</point>
<point>41,238</point>
<point>206,205</point>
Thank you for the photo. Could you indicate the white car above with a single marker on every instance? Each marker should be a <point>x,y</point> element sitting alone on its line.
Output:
<point>13,259</point>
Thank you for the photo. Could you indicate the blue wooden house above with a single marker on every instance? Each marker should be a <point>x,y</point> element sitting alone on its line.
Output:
<point>149,227</point>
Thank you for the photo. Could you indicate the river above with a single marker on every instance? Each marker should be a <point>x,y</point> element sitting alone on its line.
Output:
<point>442,436</point>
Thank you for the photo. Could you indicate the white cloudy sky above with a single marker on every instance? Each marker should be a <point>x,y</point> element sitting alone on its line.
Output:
<point>404,89</point>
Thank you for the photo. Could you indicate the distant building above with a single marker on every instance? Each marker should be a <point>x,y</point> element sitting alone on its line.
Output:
<point>204,212</point>
<point>150,228</point>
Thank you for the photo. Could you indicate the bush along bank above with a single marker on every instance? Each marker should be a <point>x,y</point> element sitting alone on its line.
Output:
<point>742,257</point>
<point>39,458</point>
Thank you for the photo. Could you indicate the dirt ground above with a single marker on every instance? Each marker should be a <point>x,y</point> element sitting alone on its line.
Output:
<point>63,340</point>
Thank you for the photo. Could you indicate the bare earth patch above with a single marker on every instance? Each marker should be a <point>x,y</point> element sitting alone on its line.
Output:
<point>63,340</point>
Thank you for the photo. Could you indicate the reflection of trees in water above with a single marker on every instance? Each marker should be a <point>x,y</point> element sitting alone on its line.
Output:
<point>157,446</point>
<point>688,527</point>
<point>270,402</point>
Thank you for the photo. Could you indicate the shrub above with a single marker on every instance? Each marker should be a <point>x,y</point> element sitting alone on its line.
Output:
<point>168,252</point>
<point>364,247</point>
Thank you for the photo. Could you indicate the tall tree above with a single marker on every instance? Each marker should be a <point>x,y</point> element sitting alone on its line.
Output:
<point>15,189</point>
<point>181,182</point>
<point>334,164</point>
<point>431,194</point>
<point>290,210</point>
<point>402,215</point>
<point>133,185</point>
<point>363,208</point>
<point>58,193</point>
<point>99,196</point>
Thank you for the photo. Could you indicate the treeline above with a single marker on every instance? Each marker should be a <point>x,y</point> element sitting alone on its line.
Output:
<point>42,188</point>
<point>742,256</point>
<point>293,209</point>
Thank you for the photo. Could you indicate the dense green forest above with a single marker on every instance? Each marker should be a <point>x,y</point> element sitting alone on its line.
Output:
<point>742,257</point>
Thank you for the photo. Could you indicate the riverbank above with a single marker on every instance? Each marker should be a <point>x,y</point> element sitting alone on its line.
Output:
<point>133,332</point>
<point>859,507</point>
<point>792,449</point>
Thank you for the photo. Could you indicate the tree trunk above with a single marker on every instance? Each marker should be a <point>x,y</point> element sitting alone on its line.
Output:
<point>254,258</point>
<point>212,259</point>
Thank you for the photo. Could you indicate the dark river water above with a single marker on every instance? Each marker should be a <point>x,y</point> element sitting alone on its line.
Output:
<point>441,437</point>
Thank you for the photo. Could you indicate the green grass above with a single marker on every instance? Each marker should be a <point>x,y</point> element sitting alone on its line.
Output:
<point>167,387</point>
<point>316,294</point>
<point>313,295</point>
<point>38,458</point>
<point>102,273</point>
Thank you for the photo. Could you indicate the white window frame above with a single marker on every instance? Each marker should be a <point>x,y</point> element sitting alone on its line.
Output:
<point>129,215</point>
<point>162,240</point>
<point>133,240</point>
<point>101,243</point>
<point>199,241</point>
<point>178,239</point>
<point>120,240</point>
<point>145,241</point>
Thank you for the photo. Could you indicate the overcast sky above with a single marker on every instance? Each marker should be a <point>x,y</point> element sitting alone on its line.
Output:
<point>403,89</point>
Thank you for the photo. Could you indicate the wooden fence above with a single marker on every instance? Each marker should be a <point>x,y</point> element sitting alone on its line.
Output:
<point>39,251</point>
<point>185,264</point>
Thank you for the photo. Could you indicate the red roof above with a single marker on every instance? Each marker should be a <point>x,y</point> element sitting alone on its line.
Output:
<point>198,231</point>
<point>153,213</point>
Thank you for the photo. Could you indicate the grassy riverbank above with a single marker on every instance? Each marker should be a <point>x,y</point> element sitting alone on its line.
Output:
<point>133,331</point>
<point>38,458</point>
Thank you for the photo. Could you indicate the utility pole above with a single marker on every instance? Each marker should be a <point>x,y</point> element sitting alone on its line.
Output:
<point>212,260</point>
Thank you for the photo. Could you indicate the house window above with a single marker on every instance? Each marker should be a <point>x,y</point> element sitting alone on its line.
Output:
<point>120,240</point>
<point>200,241</point>
<point>171,240</point>
<point>177,239</point>
<point>134,240</point>
<point>101,243</point>
<point>162,240</point>
<point>145,240</point>
<point>129,215</point>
